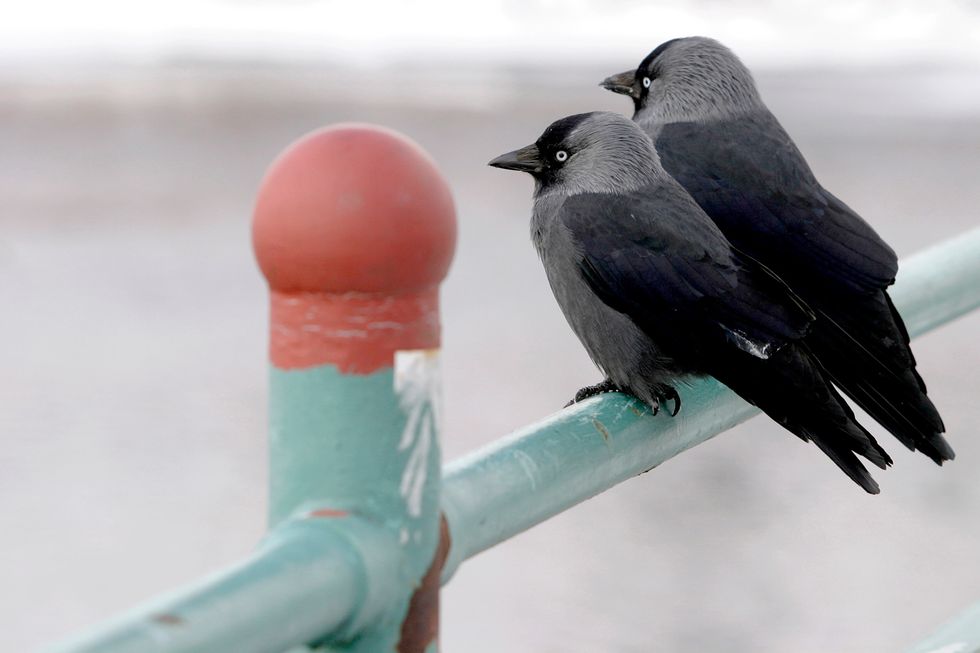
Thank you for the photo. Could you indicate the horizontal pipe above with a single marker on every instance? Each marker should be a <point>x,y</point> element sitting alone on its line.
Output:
<point>308,578</point>
<point>537,472</point>
<point>939,284</point>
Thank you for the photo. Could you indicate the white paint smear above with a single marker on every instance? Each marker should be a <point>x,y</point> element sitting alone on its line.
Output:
<point>418,386</point>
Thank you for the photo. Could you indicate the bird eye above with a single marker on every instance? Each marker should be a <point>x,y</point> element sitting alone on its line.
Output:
<point>561,156</point>
<point>646,82</point>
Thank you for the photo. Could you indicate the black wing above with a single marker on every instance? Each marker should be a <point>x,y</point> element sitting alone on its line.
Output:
<point>655,256</point>
<point>753,182</point>
<point>747,174</point>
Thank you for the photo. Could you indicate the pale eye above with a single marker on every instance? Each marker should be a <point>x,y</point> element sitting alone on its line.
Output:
<point>646,82</point>
<point>561,156</point>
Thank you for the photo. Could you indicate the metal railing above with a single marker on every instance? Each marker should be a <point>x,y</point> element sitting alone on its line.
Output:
<point>354,230</point>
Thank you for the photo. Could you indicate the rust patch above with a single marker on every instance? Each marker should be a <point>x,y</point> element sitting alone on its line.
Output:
<point>636,411</point>
<point>421,625</point>
<point>167,619</point>
<point>329,512</point>
<point>601,428</point>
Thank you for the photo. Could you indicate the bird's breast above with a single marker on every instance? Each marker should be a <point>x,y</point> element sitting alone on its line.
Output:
<point>615,344</point>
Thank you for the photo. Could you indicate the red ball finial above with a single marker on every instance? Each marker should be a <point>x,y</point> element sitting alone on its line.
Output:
<point>354,208</point>
<point>354,228</point>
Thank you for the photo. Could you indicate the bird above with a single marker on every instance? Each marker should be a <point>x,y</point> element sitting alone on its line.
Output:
<point>700,106</point>
<point>657,295</point>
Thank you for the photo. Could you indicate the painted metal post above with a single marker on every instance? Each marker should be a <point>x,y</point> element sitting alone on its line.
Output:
<point>354,230</point>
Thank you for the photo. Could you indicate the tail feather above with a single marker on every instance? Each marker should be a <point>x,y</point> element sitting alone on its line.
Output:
<point>849,464</point>
<point>864,346</point>
<point>792,388</point>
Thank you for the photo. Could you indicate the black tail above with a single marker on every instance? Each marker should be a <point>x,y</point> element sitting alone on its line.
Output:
<point>864,346</point>
<point>791,388</point>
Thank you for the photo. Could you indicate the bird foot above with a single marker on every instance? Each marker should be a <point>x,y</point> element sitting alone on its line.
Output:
<point>664,394</point>
<point>592,390</point>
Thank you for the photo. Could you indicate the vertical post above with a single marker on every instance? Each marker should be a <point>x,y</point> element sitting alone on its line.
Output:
<point>354,229</point>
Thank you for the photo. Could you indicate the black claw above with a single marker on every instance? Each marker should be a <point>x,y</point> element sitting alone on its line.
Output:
<point>676,398</point>
<point>664,394</point>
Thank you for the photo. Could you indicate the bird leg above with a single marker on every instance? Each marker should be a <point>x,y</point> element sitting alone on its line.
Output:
<point>592,390</point>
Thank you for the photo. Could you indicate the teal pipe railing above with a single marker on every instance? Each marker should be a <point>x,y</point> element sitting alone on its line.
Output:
<point>519,481</point>
<point>356,549</point>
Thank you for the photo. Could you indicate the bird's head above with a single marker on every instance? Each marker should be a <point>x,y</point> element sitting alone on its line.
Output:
<point>687,79</point>
<point>587,152</point>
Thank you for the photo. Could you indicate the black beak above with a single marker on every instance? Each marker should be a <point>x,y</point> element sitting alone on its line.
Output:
<point>526,159</point>
<point>622,83</point>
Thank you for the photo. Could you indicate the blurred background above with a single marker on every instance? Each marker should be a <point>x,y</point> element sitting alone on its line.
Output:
<point>133,136</point>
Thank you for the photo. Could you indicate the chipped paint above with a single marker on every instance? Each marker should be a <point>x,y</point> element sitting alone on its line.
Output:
<point>167,619</point>
<point>418,387</point>
<point>420,629</point>
<point>398,326</point>
<point>601,428</point>
<point>328,512</point>
<point>358,333</point>
<point>529,466</point>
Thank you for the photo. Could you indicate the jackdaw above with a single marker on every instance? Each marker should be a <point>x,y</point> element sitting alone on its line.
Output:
<point>657,294</point>
<point>699,105</point>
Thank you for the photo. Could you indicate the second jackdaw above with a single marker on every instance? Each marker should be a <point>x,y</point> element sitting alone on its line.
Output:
<point>657,294</point>
<point>715,136</point>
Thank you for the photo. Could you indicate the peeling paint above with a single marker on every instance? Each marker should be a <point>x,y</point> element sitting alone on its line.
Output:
<point>328,512</point>
<point>418,387</point>
<point>398,326</point>
<point>357,332</point>
<point>420,629</point>
<point>529,466</point>
<point>619,414</point>
<point>601,428</point>
<point>167,619</point>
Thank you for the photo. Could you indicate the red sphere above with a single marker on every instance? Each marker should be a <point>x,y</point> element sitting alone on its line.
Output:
<point>354,207</point>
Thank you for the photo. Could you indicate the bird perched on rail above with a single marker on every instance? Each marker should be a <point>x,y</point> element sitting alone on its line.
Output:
<point>700,106</point>
<point>656,293</point>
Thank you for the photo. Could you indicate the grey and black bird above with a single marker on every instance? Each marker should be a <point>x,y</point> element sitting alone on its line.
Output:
<point>657,294</point>
<point>699,104</point>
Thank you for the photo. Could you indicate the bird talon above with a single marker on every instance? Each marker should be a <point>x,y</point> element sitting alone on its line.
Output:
<point>676,398</point>
<point>592,390</point>
<point>664,394</point>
